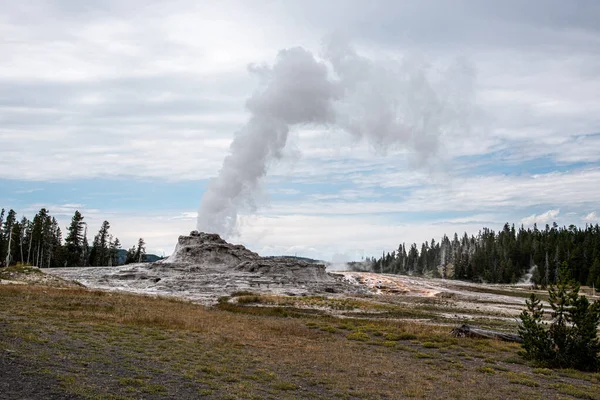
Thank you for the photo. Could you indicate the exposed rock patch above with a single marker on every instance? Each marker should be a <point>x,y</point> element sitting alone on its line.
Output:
<point>209,249</point>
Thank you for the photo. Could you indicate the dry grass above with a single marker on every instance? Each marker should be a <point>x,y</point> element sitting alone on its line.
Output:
<point>98,344</point>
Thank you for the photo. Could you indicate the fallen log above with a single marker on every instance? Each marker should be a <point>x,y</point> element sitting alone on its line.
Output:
<point>475,332</point>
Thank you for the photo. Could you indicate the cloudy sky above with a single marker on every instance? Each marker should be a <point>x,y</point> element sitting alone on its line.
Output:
<point>126,109</point>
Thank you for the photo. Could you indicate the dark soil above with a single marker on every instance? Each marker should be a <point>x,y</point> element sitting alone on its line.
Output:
<point>19,380</point>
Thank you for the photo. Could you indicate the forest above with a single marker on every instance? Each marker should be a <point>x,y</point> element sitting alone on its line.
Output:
<point>40,242</point>
<point>502,257</point>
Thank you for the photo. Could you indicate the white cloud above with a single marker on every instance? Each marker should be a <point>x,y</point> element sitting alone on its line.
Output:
<point>591,218</point>
<point>547,217</point>
<point>174,75</point>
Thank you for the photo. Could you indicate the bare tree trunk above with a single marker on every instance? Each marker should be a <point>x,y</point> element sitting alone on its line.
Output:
<point>21,246</point>
<point>9,246</point>
<point>30,242</point>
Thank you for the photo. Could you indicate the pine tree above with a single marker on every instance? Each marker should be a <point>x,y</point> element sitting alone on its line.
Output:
<point>140,251</point>
<point>8,233</point>
<point>594,274</point>
<point>114,252</point>
<point>130,258</point>
<point>536,342</point>
<point>571,341</point>
<point>58,259</point>
<point>101,246</point>
<point>94,252</point>
<point>74,241</point>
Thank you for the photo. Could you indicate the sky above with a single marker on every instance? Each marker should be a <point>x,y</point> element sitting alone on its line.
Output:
<point>124,110</point>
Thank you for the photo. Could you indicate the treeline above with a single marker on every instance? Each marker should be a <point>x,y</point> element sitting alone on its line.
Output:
<point>40,242</point>
<point>502,257</point>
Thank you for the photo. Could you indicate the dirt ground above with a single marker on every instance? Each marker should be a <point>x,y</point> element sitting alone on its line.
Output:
<point>18,380</point>
<point>77,343</point>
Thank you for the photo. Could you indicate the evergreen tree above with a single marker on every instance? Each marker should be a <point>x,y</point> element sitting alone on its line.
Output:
<point>104,245</point>
<point>130,258</point>
<point>594,274</point>
<point>8,241</point>
<point>114,252</point>
<point>74,242</point>
<point>571,341</point>
<point>140,251</point>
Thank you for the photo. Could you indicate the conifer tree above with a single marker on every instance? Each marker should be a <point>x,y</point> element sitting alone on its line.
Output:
<point>571,341</point>
<point>130,258</point>
<point>74,242</point>
<point>8,233</point>
<point>140,251</point>
<point>114,252</point>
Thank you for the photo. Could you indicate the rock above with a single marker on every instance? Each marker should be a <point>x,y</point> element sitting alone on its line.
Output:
<point>204,267</point>
<point>209,248</point>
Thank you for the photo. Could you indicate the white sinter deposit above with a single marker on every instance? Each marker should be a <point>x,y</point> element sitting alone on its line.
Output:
<point>204,267</point>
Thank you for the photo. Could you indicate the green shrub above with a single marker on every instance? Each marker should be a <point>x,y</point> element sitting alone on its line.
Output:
<point>571,340</point>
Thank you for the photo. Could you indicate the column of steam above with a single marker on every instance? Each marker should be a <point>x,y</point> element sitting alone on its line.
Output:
<point>391,104</point>
<point>295,90</point>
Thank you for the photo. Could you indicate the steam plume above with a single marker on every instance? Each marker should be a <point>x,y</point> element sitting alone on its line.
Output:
<point>296,90</point>
<point>390,104</point>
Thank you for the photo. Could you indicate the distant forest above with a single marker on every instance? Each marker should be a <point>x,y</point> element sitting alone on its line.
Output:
<point>40,242</point>
<point>502,257</point>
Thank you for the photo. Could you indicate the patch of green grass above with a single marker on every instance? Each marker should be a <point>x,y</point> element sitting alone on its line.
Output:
<point>543,371</point>
<point>419,354</point>
<point>486,370</point>
<point>155,389</point>
<point>521,379</point>
<point>576,374</point>
<point>514,359</point>
<point>328,328</point>
<point>131,382</point>
<point>210,370</point>
<point>455,365</point>
<point>404,347</point>
<point>360,336</point>
<point>571,390</point>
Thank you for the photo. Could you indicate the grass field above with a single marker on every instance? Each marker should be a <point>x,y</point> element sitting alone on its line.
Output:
<point>93,344</point>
